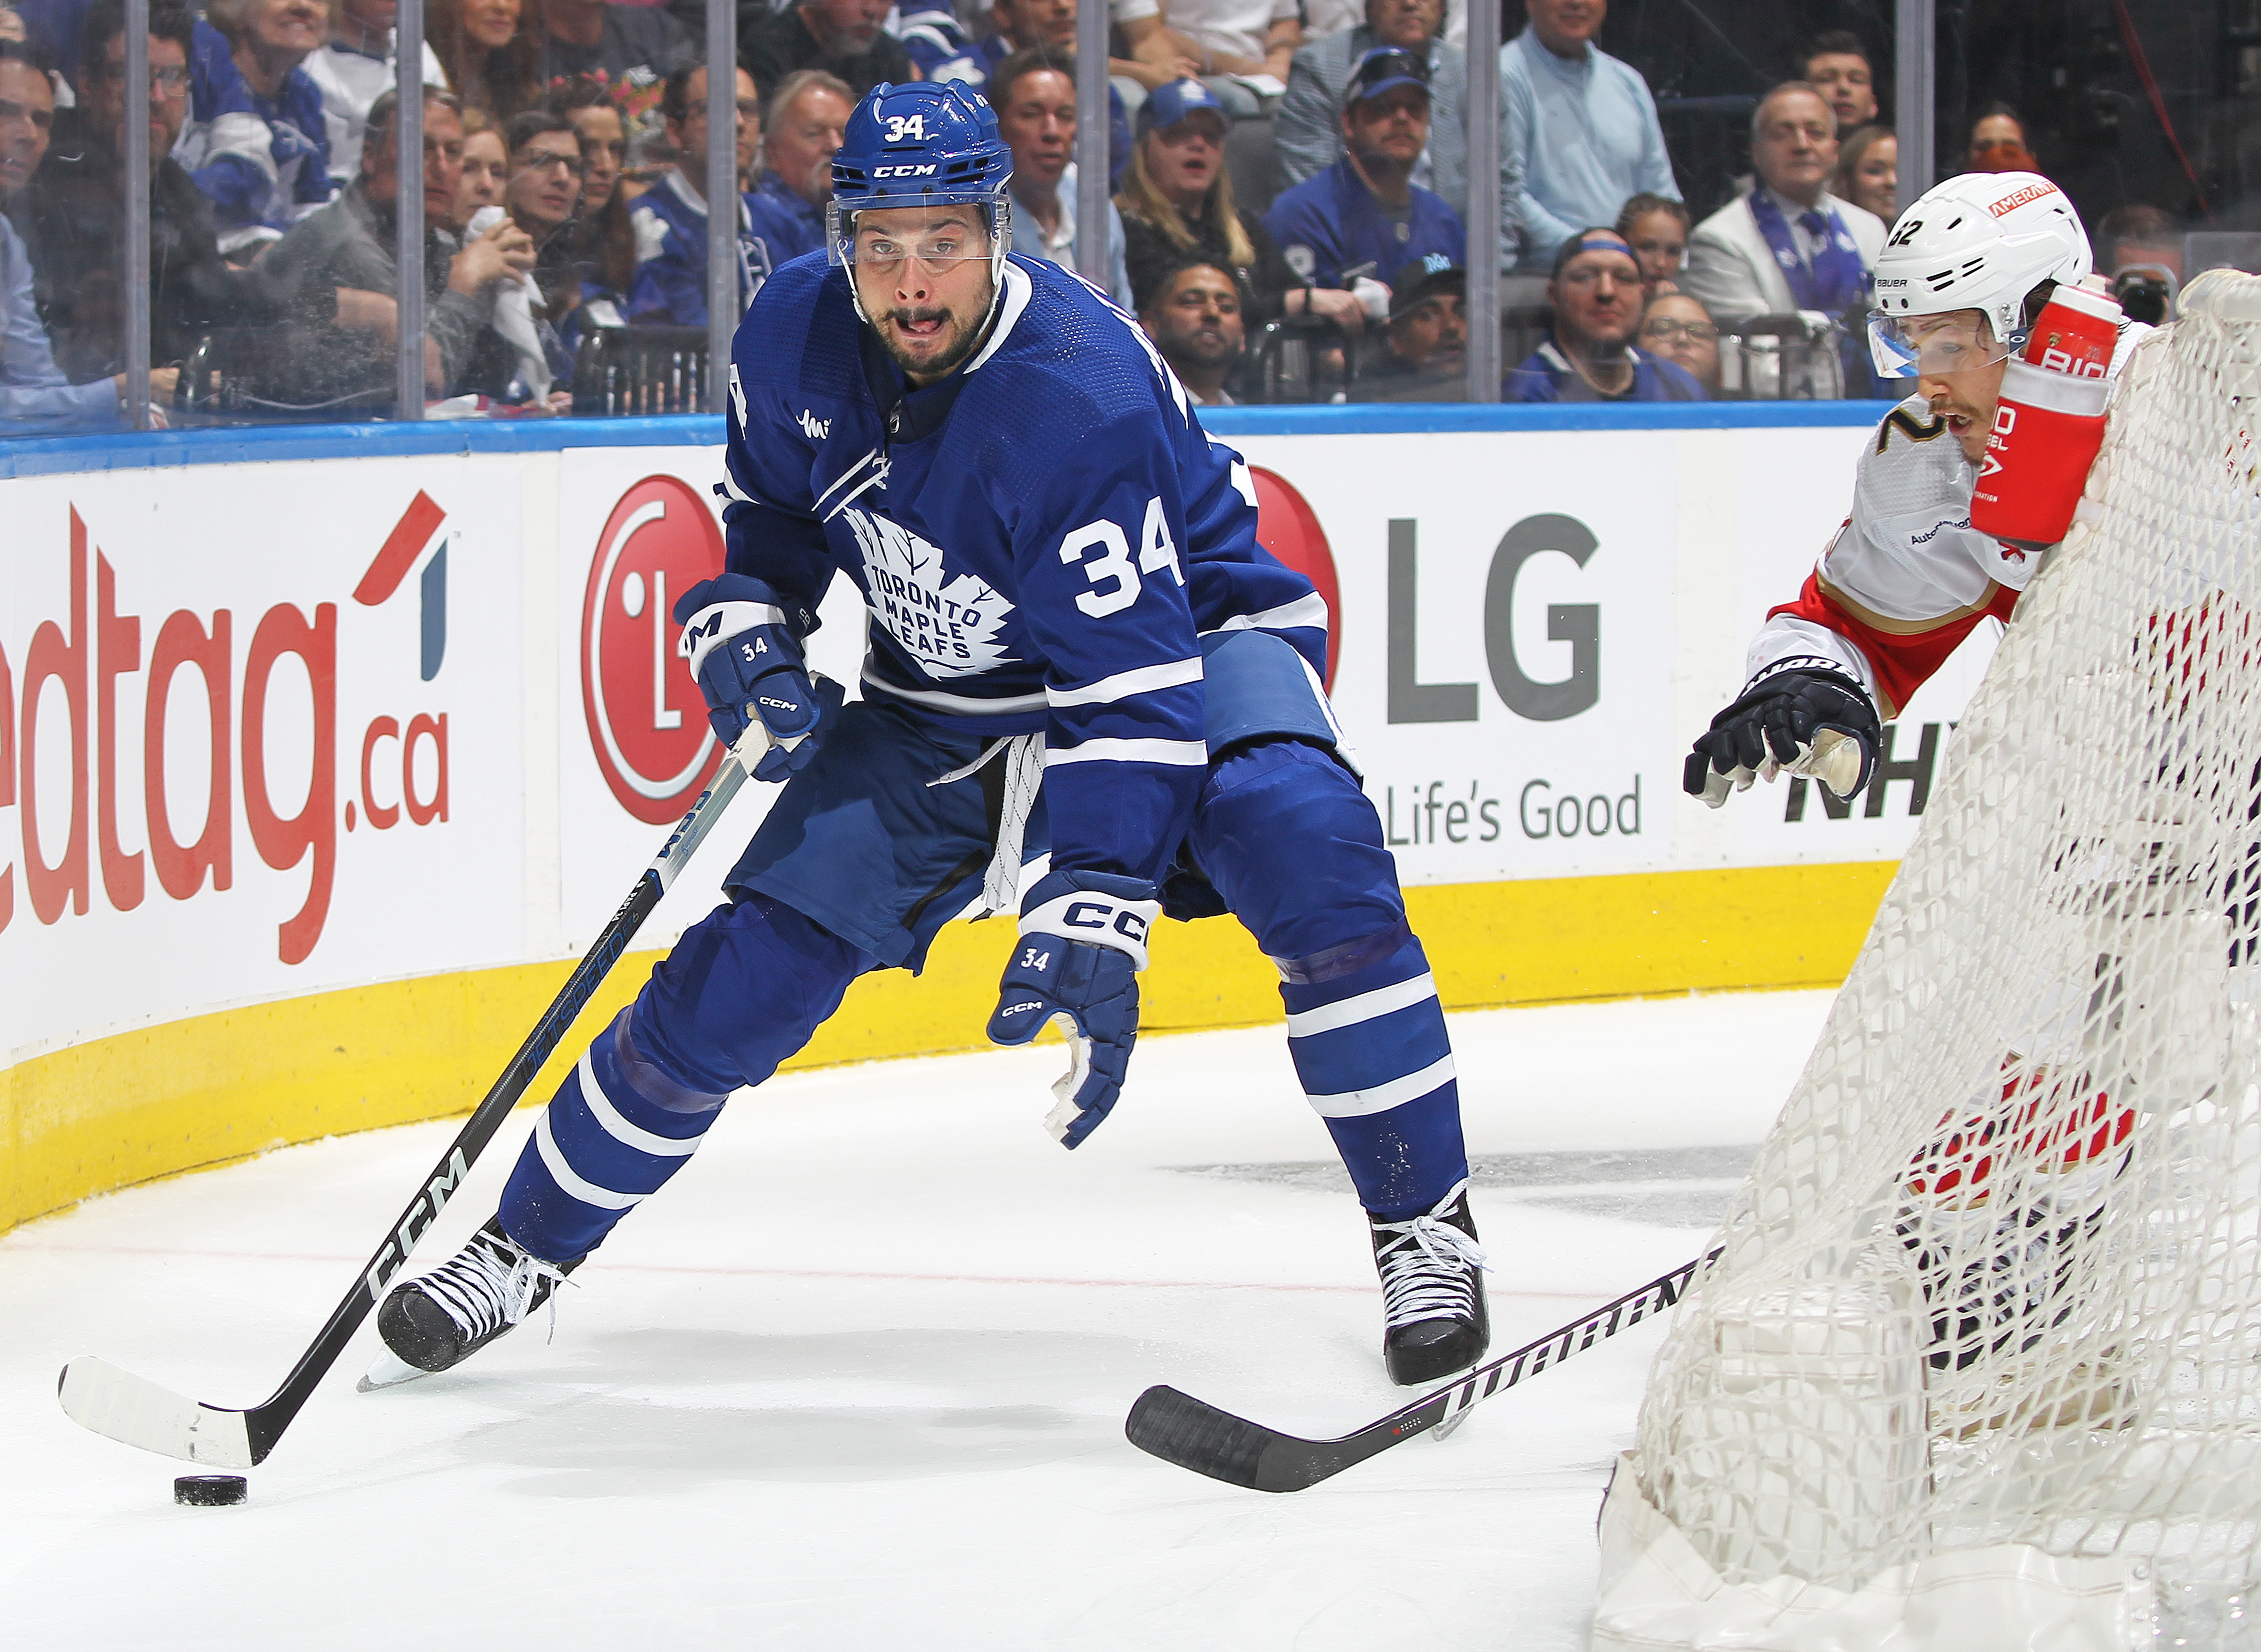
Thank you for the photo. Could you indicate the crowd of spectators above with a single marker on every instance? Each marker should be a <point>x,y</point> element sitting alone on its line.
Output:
<point>1280,172</point>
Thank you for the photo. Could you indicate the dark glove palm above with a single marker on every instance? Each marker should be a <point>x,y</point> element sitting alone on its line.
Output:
<point>1775,721</point>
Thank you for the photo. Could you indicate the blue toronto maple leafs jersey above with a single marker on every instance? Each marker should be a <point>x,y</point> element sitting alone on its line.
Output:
<point>1042,538</point>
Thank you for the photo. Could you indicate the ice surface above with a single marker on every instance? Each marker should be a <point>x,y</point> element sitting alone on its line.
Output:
<point>857,1379</point>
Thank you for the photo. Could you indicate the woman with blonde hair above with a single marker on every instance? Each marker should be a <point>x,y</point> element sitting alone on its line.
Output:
<point>491,50</point>
<point>1177,196</point>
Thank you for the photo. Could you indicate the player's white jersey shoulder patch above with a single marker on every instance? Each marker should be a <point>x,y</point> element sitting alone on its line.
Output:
<point>948,623</point>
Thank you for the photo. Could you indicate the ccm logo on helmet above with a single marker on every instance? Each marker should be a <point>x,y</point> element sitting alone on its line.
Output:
<point>1090,914</point>
<point>902,172</point>
<point>2016,198</point>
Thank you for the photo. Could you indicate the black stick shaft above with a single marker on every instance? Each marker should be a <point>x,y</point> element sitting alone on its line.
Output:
<point>264,1423</point>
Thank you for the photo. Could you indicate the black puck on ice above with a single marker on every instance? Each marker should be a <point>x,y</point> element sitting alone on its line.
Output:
<point>209,1491</point>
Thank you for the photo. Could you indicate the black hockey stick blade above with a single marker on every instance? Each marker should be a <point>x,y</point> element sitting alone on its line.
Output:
<point>100,1397</point>
<point>1193,1434</point>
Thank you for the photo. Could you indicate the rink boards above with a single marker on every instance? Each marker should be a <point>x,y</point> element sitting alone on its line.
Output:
<point>320,750</point>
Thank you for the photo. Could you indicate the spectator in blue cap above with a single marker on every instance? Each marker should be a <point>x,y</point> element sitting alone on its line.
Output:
<point>1177,199</point>
<point>1364,217</point>
<point>1587,354</point>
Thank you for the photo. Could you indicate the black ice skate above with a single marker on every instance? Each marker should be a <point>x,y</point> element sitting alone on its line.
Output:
<point>450,1314</point>
<point>1434,1322</point>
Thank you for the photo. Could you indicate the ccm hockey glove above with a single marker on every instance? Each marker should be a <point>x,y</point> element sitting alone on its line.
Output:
<point>743,642</point>
<point>1083,942</point>
<point>1813,721</point>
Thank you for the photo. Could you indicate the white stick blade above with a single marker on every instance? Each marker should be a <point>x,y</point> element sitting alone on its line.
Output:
<point>97,1396</point>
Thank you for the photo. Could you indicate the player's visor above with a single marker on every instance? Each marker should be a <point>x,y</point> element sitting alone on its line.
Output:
<point>1904,346</point>
<point>887,238</point>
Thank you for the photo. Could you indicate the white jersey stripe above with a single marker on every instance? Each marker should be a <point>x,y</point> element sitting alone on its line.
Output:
<point>619,1128</point>
<point>588,1192</point>
<point>1179,753</point>
<point>1304,611</point>
<point>965,705</point>
<point>1144,680</point>
<point>1382,1097</point>
<point>1366,1006</point>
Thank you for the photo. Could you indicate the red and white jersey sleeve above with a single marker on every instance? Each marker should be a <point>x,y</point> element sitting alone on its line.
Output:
<point>1906,577</point>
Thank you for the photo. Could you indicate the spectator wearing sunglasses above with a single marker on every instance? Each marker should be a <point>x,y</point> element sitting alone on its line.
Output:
<point>671,218</point>
<point>1308,133</point>
<point>1364,217</point>
<point>72,214</point>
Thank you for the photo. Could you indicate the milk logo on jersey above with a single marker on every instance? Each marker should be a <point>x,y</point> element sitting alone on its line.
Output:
<point>814,428</point>
<point>948,624</point>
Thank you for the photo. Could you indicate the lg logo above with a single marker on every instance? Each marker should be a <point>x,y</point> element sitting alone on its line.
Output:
<point>647,725</point>
<point>1577,623</point>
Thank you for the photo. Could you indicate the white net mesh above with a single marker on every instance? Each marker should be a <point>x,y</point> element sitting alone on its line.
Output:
<point>1996,1276</point>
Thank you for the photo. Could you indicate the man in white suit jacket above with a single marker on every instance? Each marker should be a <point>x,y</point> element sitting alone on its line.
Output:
<point>1733,267</point>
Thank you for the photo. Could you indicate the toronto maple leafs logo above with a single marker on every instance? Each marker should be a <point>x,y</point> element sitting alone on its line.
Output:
<point>948,624</point>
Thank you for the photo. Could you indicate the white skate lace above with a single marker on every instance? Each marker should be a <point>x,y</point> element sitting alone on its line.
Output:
<point>1427,1266</point>
<point>489,1284</point>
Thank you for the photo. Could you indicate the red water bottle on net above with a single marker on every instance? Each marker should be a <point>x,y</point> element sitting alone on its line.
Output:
<point>2050,421</point>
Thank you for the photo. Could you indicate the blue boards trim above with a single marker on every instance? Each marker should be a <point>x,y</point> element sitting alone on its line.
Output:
<point>260,444</point>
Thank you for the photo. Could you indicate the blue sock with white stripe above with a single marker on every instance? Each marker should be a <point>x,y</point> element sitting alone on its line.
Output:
<point>1368,1037</point>
<point>615,1132</point>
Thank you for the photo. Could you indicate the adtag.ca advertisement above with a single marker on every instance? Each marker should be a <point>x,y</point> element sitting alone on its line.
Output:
<point>260,735</point>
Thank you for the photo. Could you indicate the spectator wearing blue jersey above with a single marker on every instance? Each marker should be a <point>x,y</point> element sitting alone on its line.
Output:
<point>258,140</point>
<point>932,37</point>
<point>1587,354</point>
<point>1578,132</point>
<point>671,218</point>
<point>1033,94</point>
<point>802,119</point>
<point>1307,131</point>
<point>1364,216</point>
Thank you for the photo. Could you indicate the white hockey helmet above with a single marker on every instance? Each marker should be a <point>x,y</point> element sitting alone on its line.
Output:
<point>1980,242</point>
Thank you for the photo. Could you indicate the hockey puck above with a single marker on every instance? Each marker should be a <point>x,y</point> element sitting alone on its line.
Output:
<point>209,1491</point>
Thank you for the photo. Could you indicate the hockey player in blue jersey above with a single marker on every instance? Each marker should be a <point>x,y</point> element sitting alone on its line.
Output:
<point>1080,664</point>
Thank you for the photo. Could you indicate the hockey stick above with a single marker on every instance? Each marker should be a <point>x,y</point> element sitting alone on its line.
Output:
<point>97,1395</point>
<point>1193,1435</point>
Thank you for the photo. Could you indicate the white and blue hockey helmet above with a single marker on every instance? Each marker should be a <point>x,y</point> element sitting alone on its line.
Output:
<point>925,145</point>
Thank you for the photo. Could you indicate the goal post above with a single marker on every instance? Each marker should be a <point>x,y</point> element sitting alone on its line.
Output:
<point>1980,1364</point>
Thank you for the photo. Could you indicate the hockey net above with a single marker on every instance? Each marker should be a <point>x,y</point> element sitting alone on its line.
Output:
<point>1979,1362</point>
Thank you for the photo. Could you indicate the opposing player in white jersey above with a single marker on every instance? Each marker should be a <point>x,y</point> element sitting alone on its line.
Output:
<point>1905,576</point>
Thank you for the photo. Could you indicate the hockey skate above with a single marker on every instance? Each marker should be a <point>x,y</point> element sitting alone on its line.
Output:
<point>1435,1321</point>
<point>443,1318</point>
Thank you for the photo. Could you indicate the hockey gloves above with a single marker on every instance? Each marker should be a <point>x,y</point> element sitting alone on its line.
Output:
<point>743,641</point>
<point>1083,942</point>
<point>1815,722</point>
